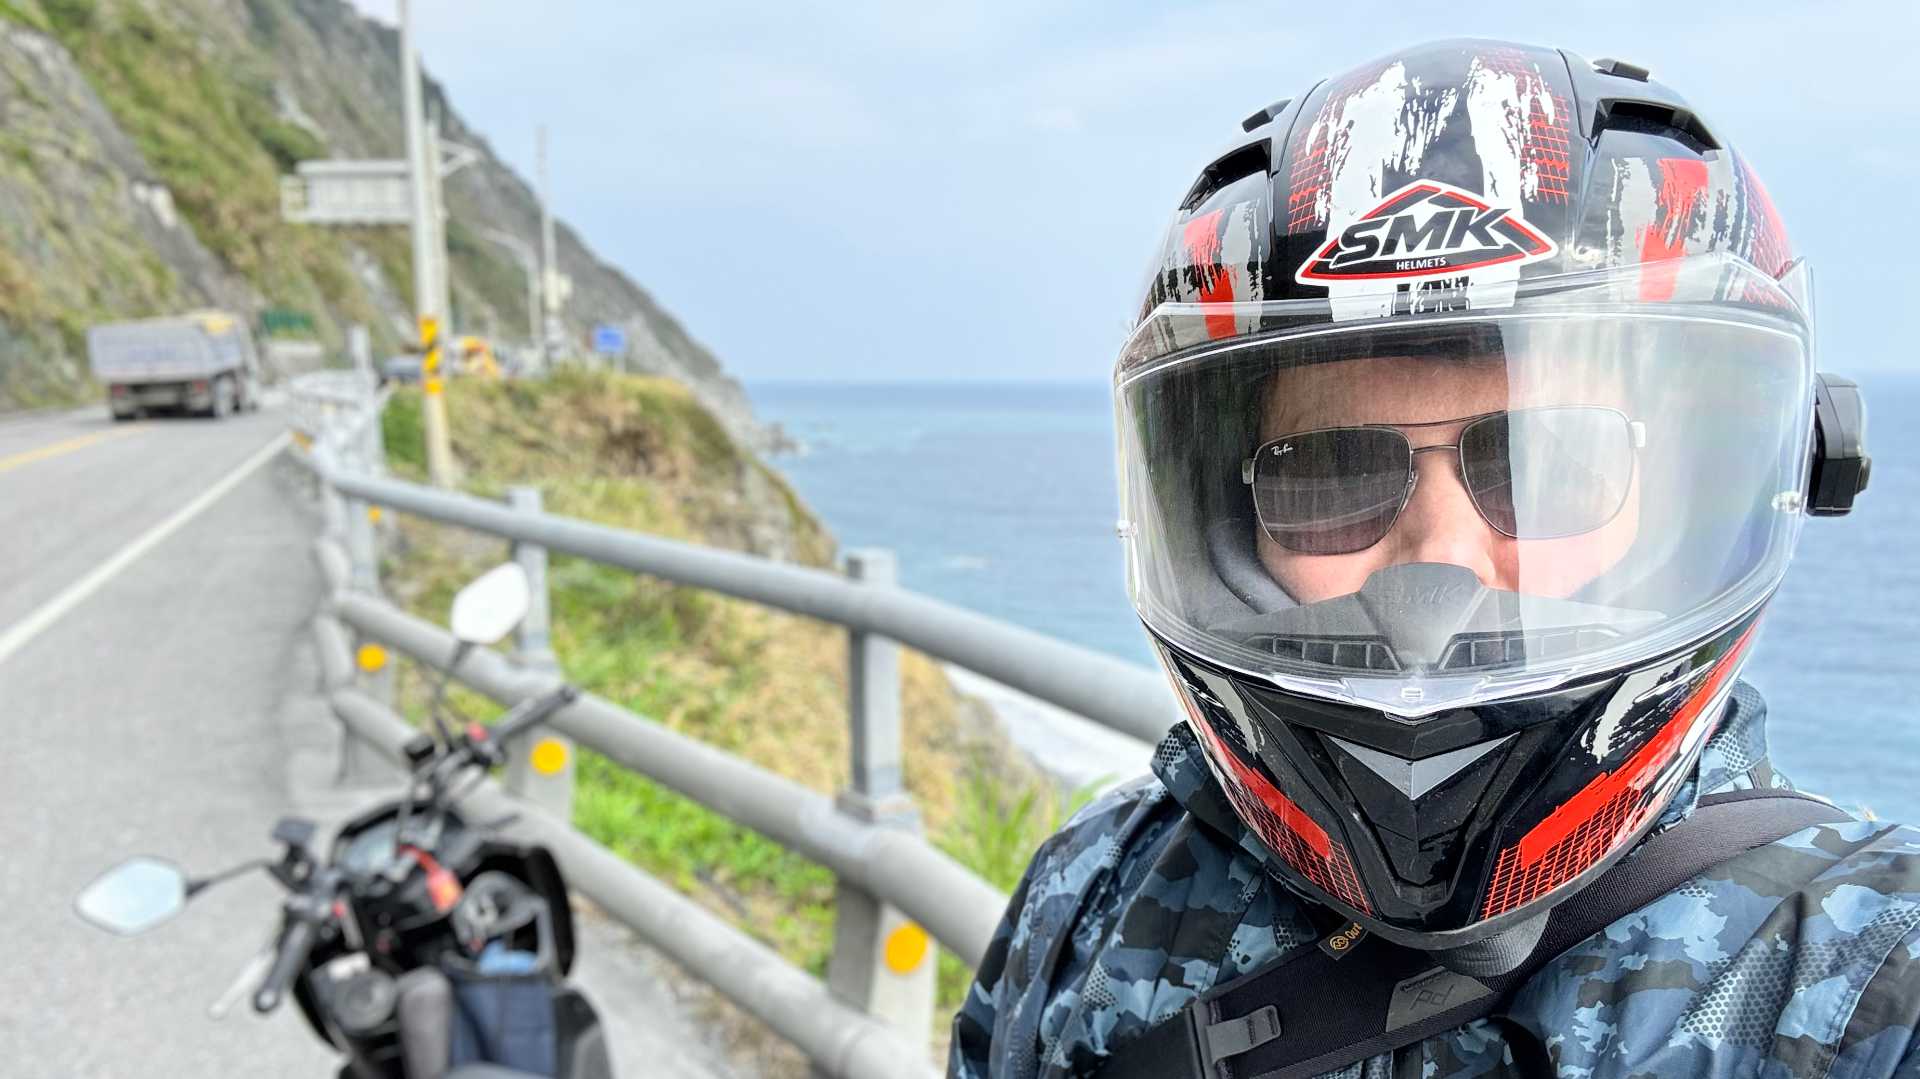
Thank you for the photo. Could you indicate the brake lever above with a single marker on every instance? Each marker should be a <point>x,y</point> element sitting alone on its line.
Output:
<point>455,794</point>
<point>250,975</point>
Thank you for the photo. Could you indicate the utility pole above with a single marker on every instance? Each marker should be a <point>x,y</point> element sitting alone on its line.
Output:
<point>530,262</point>
<point>437,193</point>
<point>428,258</point>
<point>549,267</point>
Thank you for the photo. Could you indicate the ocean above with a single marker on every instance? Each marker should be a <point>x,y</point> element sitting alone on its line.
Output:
<point>1001,498</point>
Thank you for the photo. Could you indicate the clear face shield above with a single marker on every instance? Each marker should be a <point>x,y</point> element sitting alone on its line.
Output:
<point>1417,513</point>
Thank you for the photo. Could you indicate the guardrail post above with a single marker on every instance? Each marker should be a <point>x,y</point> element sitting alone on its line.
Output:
<point>373,437</point>
<point>333,507</point>
<point>360,351</point>
<point>373,668</point>
<point>882,962</point>
<point>361,555</point>
<point>539,769</point>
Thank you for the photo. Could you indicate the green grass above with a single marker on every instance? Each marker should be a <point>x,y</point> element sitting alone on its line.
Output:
<point>773,893</point>
<point>13,12</point>
<point>405,436</point>
<point>999,826</point>
<point>70,16</point>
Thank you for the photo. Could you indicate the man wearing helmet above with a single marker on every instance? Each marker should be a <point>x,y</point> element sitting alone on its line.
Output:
<point>1467,427</point>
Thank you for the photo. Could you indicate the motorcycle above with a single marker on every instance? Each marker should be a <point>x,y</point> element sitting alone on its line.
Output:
<point>424,945</point>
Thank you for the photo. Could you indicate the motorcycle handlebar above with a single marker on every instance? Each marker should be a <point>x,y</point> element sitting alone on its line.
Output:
<point>537,711</point>
<point>295,943</point>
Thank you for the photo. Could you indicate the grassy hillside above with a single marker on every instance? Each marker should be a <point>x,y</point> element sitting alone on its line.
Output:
<point>197,97</point>
<point>142,147</point>
<point>639,453</point>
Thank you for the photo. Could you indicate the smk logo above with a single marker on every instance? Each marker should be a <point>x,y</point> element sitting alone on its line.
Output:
<point>1426,229</point>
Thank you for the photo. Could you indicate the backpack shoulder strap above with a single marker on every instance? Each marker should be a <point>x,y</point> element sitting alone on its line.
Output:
<point>1311,1011</point>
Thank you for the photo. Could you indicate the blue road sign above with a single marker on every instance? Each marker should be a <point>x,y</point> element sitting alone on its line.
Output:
<point>609,340</point>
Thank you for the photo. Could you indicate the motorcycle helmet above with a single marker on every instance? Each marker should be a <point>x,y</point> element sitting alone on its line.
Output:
<point>1467,424</point>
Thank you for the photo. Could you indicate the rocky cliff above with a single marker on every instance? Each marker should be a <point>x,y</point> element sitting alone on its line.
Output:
<point>141,146</point>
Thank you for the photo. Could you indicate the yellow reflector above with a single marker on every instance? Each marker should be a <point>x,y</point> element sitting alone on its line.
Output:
<point>373,514</point>
<point>549,756</point>
<point>371,658</point>
<point>906,948</point>
<point>434,386</point>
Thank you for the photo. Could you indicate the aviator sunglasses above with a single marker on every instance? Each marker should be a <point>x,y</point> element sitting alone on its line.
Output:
<point>1534,473</point>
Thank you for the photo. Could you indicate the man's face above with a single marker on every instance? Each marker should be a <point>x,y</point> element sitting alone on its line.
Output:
<point>1440,522</point>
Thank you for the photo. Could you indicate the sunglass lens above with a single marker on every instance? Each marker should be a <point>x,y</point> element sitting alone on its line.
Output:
<point>1331,492</point>
<point>1544,473</point>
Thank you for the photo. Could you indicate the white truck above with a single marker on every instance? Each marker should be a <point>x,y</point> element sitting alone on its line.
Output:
<point>203,362</point>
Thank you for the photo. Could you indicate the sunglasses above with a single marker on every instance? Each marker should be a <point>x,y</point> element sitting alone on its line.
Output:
<point>1535,473</point>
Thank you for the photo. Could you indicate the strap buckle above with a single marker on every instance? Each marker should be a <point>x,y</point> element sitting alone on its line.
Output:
<point>1232,1037</point>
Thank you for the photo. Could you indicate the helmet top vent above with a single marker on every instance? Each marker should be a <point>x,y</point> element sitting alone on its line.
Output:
<point>1237,164</point>
<point>1655,118</point>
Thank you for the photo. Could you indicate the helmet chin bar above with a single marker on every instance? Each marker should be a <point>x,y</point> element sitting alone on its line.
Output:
<point>1434,618</point>
<point>1521,802</point>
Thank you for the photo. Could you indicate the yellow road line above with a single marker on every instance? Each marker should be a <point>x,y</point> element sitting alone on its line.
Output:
<point>8,464</point>
<point>49,612</point>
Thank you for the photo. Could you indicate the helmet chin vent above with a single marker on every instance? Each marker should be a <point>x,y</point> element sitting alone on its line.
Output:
<point>1433,618</point>
<point>1464,654</point>
<point>1352,655</point>
<point>1472,653</point>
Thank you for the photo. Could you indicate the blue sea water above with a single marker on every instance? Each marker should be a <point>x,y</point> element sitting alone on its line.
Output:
<point>1001,498</point>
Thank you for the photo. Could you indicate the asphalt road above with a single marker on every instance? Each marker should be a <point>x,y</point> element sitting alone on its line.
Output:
<point>172,712</point>
<point>138,722</point>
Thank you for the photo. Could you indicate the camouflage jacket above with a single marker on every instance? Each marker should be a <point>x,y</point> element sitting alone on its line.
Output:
<point>1801,958</point>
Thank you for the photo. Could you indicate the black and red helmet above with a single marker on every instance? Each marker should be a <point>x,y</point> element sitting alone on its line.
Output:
<point>1465,430</point>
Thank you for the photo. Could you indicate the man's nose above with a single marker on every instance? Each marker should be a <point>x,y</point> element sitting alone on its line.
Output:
<point>1441,524</point>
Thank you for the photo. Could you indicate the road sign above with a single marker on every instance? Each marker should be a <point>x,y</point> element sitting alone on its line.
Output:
<point>609,340</point>
<point>285,320</point>
<point>373,192</point>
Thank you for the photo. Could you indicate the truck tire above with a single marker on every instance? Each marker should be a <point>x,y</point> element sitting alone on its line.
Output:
<point>132,412</point>
<point>222,405</point>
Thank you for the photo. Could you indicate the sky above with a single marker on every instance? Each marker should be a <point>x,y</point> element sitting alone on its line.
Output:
<point>882,191</point>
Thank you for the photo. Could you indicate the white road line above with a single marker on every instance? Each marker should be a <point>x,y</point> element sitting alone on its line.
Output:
<point>49,612</point>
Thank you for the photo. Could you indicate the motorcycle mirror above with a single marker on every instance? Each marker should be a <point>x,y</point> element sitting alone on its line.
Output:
<point>488,608</point>
<point>134,896</point>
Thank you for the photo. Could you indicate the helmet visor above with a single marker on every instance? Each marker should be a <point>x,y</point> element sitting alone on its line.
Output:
<point>1416,513</point>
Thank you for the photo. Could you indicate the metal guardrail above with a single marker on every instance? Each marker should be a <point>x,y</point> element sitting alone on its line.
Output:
<point>877,1002</point>
<point>1125,697</point>
<point>955,906</point>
